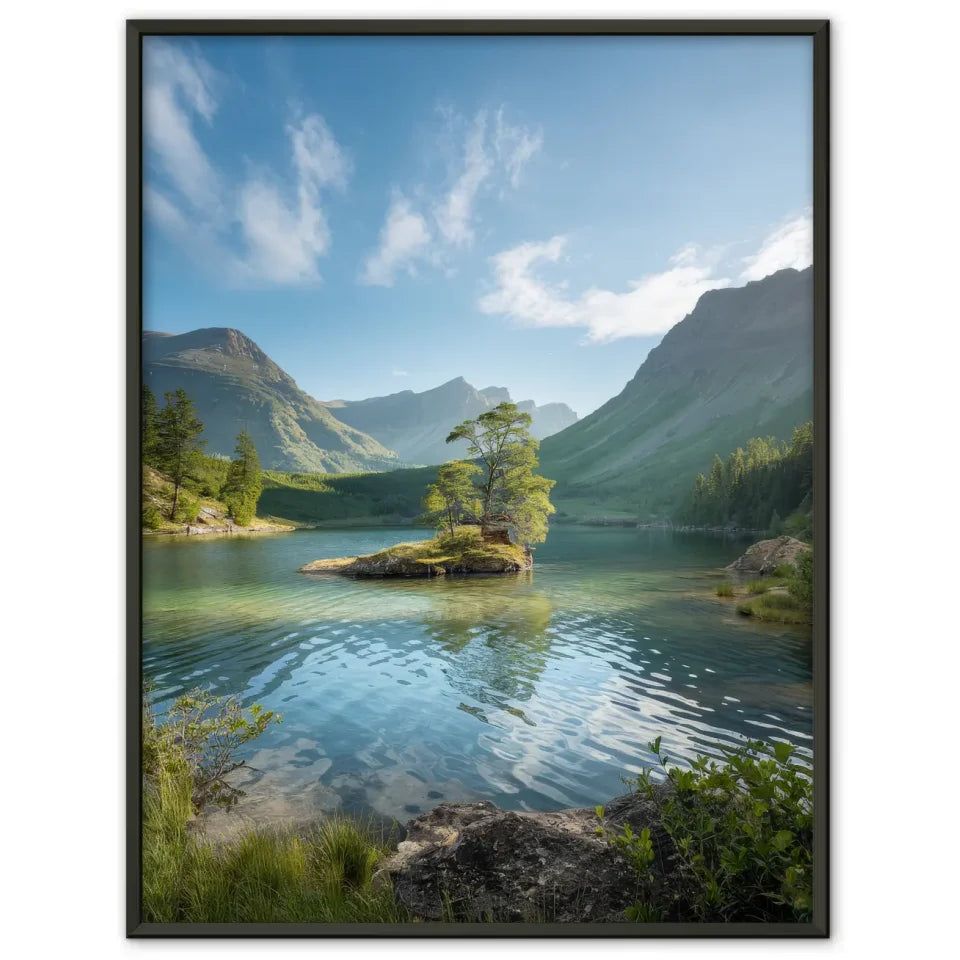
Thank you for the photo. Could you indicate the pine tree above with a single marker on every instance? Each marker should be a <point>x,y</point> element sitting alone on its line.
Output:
<point>178,444</point>
<point>148,425</point>
<point>244,482</point>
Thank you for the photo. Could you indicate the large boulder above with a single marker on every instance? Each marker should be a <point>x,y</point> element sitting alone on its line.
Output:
<point>474,862</point>
<point>766,555</point>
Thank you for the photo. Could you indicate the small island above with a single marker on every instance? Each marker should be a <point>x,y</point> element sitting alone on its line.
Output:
<point>487,510</point>
<point>465,550</point>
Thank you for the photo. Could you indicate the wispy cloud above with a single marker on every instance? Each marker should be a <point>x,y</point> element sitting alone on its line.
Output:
<point>515,146</point>
<point>280,223</point>
<point>650,305</point>
<point>446,219</point>
<point>790,245</point>
<point>400,373</point>
<point>404,238</point>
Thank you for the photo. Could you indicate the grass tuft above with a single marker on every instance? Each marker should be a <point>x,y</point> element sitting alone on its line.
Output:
<point>724,589</point>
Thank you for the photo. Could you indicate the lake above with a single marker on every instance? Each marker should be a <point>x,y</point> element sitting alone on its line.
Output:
<point>535,691</point>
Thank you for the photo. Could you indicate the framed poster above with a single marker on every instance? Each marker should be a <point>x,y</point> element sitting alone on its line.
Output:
<point>478,504</point>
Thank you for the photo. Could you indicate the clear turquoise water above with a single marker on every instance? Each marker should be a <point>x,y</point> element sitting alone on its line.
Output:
<point>535,691</point>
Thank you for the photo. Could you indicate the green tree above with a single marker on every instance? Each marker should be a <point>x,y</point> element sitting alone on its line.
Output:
<point>244,483</point>
<point>453,496</point>
<point>500,439</point>
<point>179,449</point>
<point>148,425</point>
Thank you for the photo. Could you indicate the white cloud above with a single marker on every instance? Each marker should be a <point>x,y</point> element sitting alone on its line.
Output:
<point>282,225</point>
<point>446,219</point>
<point>514,147</point>
<point>176,87</point>
<point>454,214</point>
<point>790,245</point>
<point>404,238</point>
<point>400,373</point>
<point>653,304</point>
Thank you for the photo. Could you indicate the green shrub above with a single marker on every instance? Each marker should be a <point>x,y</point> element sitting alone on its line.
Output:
<point>151,518</point>
<point>741,836</point>
<point>266,876</point>
<point>724,589</point>
<point>758,586</point>
<point>202,733</point>
<point>783,571</point>
<point>801,585</point>
<point>187,510</point>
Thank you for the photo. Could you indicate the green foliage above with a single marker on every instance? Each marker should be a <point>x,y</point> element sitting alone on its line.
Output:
<point>325,498</point>
<point>276,876</point>
<point>758,586</point>
<point>754,488</point>
<point>178,443</point>
<point>784,571</point>
<point>150,516</point>
<point>201,733</point>
<point>148,425</point>
<point>500,440</point>
<point>187,509</point>
<point>453,497</point>
<point>740,835</point>
<point>801,585</point>
<point>243,485</point>
<point>209,476</point>
<point>724,589</point>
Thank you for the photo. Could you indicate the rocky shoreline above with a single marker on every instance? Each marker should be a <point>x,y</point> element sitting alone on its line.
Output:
<point>475,862</point>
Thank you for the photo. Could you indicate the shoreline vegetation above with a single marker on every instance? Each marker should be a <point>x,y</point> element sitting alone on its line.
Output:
<point>714,842</point>
<point>779,588</point>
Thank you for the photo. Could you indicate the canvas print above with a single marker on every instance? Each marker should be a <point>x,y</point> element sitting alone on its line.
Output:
<point>477,481</point>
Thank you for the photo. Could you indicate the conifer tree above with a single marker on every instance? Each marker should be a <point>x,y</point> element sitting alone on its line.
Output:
<point>244,482</point>
<point>148,425</point>
<point>178,444</point>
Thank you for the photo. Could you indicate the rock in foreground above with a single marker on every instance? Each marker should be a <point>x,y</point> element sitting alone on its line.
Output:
<point>766,555</point>
<point>462,552</point>
<point>474,862</point>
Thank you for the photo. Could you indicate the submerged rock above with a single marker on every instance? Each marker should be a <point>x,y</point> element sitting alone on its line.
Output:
<point>474,862</point>
<point>765,556</point>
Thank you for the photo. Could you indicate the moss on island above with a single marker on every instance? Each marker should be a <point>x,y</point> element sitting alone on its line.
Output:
<point>462,552</point>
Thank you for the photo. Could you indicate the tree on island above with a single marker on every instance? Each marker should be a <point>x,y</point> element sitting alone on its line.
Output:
<point>453,497</point>
<point>500,440</point>
<point>244,484</point>
<point>179,449</point>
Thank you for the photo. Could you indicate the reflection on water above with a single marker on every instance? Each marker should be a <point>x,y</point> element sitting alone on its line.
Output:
<point>535,691</point>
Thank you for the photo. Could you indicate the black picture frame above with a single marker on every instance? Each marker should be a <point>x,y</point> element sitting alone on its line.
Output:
<point>818,30</point>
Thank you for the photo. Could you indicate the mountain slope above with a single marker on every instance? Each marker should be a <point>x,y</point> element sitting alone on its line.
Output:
<point>416,424</point>
<point>234,384</point>
<point>739,365</point>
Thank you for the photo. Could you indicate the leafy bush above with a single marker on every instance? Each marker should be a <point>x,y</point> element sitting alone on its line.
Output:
<point>151,518</point>
<point>801,585</point>
<point>201,734</point>
<point>757,586</point>
<point>262,876</point>
<point>784,571</point>
<point>724,589</point>
<point>741,836</point>
<point>187,510</point>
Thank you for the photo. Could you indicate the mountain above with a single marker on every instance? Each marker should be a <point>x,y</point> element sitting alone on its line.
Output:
<point>234,384</point>
<point>739,365</point>
<point>416,424</point>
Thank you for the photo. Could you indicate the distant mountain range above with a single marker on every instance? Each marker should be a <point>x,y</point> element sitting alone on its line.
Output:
<point>416,424</point>
<point>235,386</point>
<point>739,365</point>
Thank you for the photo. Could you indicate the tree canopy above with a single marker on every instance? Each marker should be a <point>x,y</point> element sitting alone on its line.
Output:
<point>505,457</point>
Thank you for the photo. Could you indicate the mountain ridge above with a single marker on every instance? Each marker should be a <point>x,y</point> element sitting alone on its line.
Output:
<point>738,365</point>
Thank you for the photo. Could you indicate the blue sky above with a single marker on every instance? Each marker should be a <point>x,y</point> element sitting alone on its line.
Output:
<point>382,214</point>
